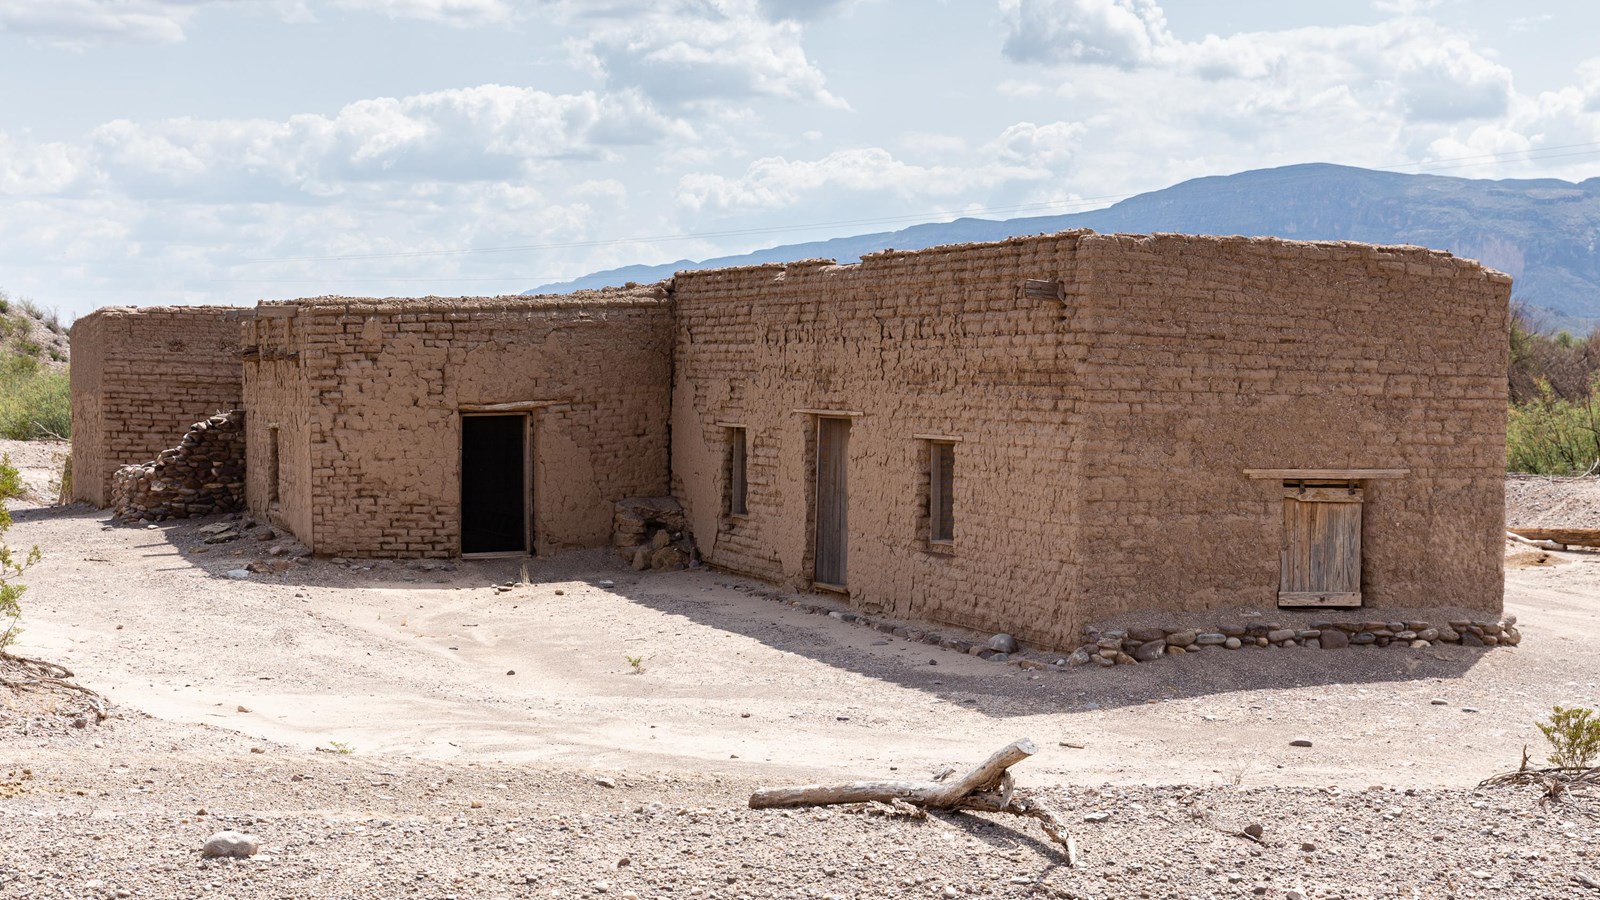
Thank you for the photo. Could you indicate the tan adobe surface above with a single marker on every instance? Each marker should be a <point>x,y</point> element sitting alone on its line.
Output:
<point>1103,438</point>
<point>366,396</point>
<point>140,378</point>
<point>1105,396</point>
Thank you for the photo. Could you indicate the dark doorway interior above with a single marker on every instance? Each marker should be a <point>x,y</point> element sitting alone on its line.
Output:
<point>494,495</point>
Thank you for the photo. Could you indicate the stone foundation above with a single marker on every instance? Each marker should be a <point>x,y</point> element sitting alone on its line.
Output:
<point>1135,645</point>
<point>204,474</point>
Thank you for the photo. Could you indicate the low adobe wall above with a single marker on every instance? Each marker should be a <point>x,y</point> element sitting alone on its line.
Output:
<point>140,378</point>
<point>367,397</point>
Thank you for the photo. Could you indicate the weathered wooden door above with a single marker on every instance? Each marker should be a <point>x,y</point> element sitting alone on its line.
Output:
<point>1321,553</point>
<point>833,456</point>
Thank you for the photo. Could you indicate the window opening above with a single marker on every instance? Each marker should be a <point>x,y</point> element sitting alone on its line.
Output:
<point>737,483</point>
<point>941,492</point>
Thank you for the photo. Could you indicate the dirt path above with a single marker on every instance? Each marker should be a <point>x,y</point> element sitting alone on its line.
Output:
<point>392,659</point>
<point>576,776</point>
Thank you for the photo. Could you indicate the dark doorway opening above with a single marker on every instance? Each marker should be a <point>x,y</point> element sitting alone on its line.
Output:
<point>494,484</point>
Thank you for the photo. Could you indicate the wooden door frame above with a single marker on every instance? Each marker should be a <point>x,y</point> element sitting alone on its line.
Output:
<point>528,520</point>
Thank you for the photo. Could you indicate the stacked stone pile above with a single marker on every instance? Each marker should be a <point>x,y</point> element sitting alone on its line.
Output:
<point>1136,645</point>
<point>204,474</point>
<point>652,533</point>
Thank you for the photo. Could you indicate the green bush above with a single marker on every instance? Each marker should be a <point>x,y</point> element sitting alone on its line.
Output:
<point>1550,435</point>
<point>35,402</point>
<point>11,564</point>
<point>1574,736</point>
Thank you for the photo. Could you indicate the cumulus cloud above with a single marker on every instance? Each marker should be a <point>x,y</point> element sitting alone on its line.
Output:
<point>1449,81</point>
<point>1121,33</point>
<point>485,133</point>
<point>686,51</point>
<point>1421,67</point>
<point>1024,153</point>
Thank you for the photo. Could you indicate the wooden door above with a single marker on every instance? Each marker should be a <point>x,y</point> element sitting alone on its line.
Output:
<point>833,457</point>
<point>1321,553</point>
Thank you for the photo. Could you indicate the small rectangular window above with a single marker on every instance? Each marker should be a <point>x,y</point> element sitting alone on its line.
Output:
<point>941,492</point>
<point>273,464</point>
<point>736,471</point>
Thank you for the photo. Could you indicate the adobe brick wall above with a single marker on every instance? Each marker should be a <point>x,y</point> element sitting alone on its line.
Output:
<point>1211,355</point>
<point>278,398</point>
<point>1104,438</point>
<point>367,395</point>
<point>140,378</point>
<point>936,342</point>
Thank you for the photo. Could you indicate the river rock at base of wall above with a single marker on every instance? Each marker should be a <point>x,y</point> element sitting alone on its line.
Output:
<point>1150,650</point>
<point>1334,639</point>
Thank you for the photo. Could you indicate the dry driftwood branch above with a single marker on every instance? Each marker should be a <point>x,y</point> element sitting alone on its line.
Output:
<point>988,788</point>
<point>1560,537</point>
<point>1540,543</point>
<point>23,673</point>
<point>1557,781</point>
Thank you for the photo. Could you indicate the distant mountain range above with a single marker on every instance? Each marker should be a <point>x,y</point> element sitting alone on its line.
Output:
<point>1543,232</point>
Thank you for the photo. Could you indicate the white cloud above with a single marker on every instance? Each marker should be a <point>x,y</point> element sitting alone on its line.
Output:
<point>485,133</point>
<point>87,21</point>
<point>1432,73</point>
<point>1448,81</point>
<point>459,13</point>
<point>1120,33</point>
<point>687,51</point>
<point>1024,153</point>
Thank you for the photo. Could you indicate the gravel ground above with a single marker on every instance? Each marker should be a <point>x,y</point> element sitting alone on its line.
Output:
<point>502,746</point>
<point>1550,502</point>
<point>120,810</point>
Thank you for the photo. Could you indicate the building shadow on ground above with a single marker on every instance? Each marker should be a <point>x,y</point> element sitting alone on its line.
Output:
<point>769,616</point>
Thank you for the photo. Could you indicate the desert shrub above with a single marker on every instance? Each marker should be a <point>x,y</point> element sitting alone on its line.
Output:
<point>1552,435</point>
<point>35,402</point>
<point>1560,362</point>
<point>12,563</point>
<point>1574,736</point>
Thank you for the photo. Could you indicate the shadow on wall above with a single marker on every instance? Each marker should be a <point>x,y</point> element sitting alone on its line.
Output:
<point>761,613</point>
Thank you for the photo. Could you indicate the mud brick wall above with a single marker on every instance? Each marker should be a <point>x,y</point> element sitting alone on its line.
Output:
<point>1211,355</point>
<point>369,393</point>
<point>140,378</point>
<point>278,430</point>
<point>1103,436</point>
<point>939,342</point>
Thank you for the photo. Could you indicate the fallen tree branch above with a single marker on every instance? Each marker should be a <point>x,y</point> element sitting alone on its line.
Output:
<point>1557,781</point>
<point>988,788</point>
<point>24,674</point>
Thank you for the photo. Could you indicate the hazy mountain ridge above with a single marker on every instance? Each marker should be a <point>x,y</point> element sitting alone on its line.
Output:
<point>1544,232</point>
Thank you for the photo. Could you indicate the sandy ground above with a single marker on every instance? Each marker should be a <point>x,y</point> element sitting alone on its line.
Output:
<point>448,691</point>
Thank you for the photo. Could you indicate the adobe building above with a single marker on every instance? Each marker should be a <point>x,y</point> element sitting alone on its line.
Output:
<point>1022,436</point>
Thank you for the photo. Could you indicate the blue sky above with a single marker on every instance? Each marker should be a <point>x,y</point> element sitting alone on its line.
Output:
<point>224,151</point>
